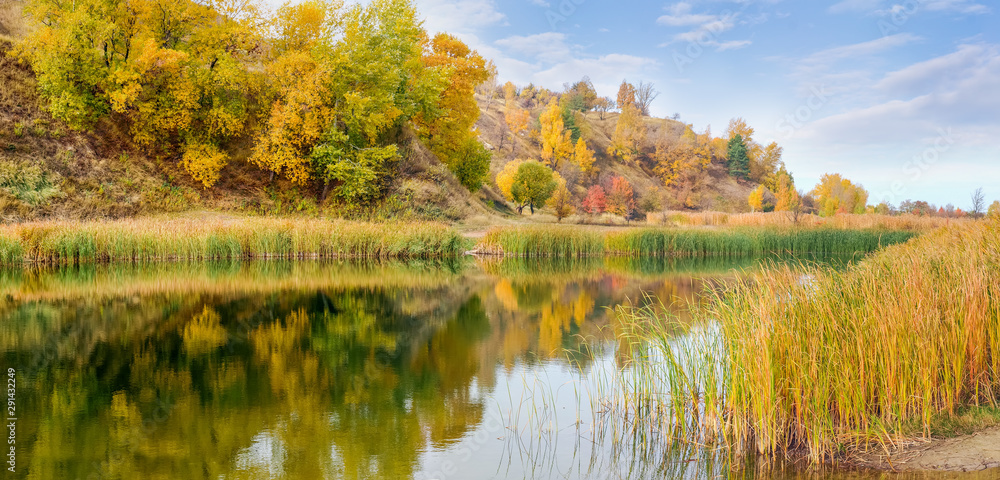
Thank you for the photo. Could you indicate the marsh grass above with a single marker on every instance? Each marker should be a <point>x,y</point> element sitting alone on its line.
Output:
<point>817,362</point>
<point>248,238</point>
<point>663,242</point>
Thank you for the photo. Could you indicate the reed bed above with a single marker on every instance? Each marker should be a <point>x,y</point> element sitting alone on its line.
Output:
<point>662,242</point>
<point>785,219</point>
<point>817,362</point>
<point>225,239</point>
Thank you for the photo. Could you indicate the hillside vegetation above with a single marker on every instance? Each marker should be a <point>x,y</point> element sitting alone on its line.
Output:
<point>326,109</point>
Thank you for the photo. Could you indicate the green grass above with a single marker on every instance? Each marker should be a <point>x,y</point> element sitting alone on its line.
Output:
<point>661,242</point>
<point>822,361</point>
<point>248,238</point>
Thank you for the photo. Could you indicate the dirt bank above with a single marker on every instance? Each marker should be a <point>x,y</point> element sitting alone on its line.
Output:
<point>971,453</point>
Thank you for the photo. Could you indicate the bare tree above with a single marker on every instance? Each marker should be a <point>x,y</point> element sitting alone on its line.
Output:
<point>488,89</point>
<point>644,96</point>
<point>978,203</point>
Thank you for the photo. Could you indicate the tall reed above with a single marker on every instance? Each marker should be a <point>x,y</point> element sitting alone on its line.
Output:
<point>246,238</point>
<point>816,360</point>
<point>690,242</point>
<point>786,219</point>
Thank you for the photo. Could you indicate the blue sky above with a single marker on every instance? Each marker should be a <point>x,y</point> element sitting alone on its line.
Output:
<point>901,96</point>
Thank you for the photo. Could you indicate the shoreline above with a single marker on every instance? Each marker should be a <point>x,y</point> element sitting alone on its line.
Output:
<point>975,452</point>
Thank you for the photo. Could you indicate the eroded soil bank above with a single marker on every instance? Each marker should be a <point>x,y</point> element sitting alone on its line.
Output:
<point>971,453</point>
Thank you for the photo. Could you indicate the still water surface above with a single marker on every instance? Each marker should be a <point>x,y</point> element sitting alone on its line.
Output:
<point>431,370</point>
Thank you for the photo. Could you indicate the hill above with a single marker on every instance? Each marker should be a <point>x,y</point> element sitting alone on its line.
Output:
<point>50,170</point>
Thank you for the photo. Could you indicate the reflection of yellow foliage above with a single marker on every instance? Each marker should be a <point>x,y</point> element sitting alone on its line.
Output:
<point>504,292</point>
<point>204,333</point>
<point>583,305</point>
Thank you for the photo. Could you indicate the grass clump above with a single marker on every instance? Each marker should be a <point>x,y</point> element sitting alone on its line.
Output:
<point>661,242</point>
<point>222,239</point>
<point>817,361</point>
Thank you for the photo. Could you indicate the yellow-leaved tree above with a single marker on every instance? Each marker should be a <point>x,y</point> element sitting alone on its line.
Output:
<point>835,194</point>
<point>178,72</point>
<point>583,156</point>
<point>630,133</point>
<point>556,140</point>
<point>448,128</point>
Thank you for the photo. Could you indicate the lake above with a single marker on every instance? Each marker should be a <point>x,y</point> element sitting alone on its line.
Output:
<point>463,369</point>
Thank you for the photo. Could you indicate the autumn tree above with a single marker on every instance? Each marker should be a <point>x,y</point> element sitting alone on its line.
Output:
<point>583,157</point>
<point>764,168</point>
<point>580,96</point>
<point>596,201</point>
<point>738,159</point>
<point>994,210</point>
<point>561,203</point>
<point>756,199</point>
<point>510,94</point>
<point>604,105</point>
<point>556,141</point>
<point>787,197</point>
<point>626,95</point>
<point>532,186</point>
<point>629,136</point>
<point>836,194</point>
<point>621,199</point>
<point>448,129</point>
<point>176,72</point>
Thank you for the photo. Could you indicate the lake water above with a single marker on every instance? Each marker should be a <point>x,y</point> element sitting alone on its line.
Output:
<point>430,370</point>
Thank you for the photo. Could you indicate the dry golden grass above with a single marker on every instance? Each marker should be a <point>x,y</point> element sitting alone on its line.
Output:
<point>143,240</point>
<point>820,361</point>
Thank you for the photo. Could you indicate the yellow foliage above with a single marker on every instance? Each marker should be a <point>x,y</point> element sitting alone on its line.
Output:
<point>505,179</point>
<point>756,199</point>
<point>556,141</point>
<point>298,117</point>
<point>583,156</point>
<point>204,161</point>
<point>630,133</point>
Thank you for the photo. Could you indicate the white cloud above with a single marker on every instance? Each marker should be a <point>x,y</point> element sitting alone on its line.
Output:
<point>703,28</point>
<point>883,7</point>
<point>548,47</point>
<point>958,91</point>
<point>459,17</point>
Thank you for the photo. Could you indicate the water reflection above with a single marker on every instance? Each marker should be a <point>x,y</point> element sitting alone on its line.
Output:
<point>330,370</point>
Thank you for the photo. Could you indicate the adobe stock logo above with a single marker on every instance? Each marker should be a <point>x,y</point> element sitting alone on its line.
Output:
<point>562,12</point>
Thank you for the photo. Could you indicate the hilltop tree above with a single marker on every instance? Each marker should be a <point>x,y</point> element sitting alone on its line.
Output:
<point>764,167</point>
<point>621,199</point>
<point>644,96</point>
<point>596,201</point>
<point>581,96</point>
<point>626,95</point>
<point>604,105</point>
<point>836,194</point>
<point>738,160</point>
